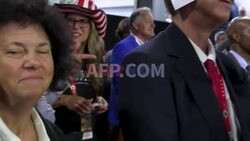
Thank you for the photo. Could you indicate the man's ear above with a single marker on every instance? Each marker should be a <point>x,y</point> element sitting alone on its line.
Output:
<point>135,26</point>
<point>236,38</point>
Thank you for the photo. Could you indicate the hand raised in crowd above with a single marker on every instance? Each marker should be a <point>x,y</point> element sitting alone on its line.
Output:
<point>85,56</point>
<point>78,59</point>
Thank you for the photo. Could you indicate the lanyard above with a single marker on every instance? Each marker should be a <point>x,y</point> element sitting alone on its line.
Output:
<point>73,87</point>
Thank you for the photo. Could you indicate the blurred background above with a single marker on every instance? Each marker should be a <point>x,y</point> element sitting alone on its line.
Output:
<point>125,7</point>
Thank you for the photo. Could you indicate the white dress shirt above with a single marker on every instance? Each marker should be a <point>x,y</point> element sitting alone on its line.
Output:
<point>243,63</point>
<point>137,39</point>
<point>212,55</point>
<point>7,135</point>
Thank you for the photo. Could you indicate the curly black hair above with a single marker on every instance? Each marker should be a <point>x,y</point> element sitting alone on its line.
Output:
<point>29,12</point>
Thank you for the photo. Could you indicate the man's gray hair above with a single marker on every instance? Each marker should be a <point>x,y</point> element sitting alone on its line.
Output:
<point>138,13</point>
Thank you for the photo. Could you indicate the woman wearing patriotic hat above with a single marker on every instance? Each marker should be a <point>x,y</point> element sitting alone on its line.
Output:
<point>88,25</point>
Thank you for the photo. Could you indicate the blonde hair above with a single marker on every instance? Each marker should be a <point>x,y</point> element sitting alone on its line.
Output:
<point>95,46</point>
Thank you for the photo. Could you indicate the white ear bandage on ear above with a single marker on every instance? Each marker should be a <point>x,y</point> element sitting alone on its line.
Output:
<point>177,4</point>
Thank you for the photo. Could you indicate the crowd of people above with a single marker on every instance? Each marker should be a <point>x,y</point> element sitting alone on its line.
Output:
<point>181,84</point>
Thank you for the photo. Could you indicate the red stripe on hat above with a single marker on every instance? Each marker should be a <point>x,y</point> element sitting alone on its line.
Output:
<point>102,34</point>
<point>102,27</point>
<point>102,31</point>
<point>64,11</point>
<point>80,3</point>
<point>77,9</point>
<point>98,15</point>
<point>90,5</point>
<point>100,21</point>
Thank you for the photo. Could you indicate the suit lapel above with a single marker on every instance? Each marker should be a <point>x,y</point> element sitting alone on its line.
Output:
<point>197,80</point>
<point>233,97</point>
<point>233,58</point>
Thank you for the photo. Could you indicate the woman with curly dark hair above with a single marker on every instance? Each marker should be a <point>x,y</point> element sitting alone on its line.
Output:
<point>34,55</point>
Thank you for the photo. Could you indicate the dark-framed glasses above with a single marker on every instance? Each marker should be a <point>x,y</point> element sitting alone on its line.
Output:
<point>82,23</point>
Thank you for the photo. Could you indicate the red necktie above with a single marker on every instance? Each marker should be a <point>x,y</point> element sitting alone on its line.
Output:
<point>218,89</point>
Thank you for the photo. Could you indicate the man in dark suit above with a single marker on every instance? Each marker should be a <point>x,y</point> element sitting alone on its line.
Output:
<point>142,29</point>
<point>178,98</point>
<point>238,32</point>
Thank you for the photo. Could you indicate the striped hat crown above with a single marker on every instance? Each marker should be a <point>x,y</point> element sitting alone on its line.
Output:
<point>86,8</point>
<point>88,4</point>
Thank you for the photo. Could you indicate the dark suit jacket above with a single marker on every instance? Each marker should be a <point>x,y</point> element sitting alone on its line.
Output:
<point>56,134</point>
<point>181,105</point>
<point>236,62</point>
<point>241,84</point>
<point>119,51</point>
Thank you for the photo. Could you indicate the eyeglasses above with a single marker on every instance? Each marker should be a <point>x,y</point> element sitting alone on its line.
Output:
<point>82,23</point>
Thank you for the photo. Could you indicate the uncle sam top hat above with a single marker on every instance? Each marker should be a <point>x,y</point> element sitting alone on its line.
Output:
<point>86,8</point>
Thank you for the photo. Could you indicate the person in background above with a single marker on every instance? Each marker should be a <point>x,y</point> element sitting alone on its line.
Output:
<point>142,29</point>
<point>238,32</point>
<point>224,46</point>
<point>121,32</point>
<point>219,38</point>
<point>234,11</point>
<point>34,56</point>
<point>88,25</point>
<point>242,11</point>
<point>123,29</point>
<point>183,92</point>
<point>77,94</point>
